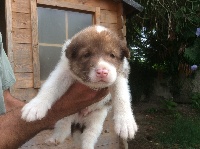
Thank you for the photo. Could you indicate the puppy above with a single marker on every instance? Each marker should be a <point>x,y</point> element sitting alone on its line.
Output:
<point>97,58</point>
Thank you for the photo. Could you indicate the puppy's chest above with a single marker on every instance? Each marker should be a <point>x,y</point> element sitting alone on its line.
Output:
<point>83,115</point>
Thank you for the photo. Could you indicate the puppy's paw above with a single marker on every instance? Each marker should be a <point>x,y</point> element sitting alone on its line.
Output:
<point>52,141</point>
<point>84,112</point>
<point>34,110</point>
<point>55,139</point>
<point>125,126</point>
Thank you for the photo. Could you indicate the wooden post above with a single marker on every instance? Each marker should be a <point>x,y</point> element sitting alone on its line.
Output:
<point>97,15</point>
<point>35,48</point>
<point>9,43</point>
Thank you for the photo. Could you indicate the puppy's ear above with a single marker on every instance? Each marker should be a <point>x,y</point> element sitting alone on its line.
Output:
<point>70,50</point>
<point>124,50</point>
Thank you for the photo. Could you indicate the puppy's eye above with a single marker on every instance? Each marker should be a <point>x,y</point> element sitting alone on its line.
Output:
<point>112,55</point>
<point>87,55</point>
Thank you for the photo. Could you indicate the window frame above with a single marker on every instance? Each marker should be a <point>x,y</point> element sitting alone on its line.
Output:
<point>34,26</point>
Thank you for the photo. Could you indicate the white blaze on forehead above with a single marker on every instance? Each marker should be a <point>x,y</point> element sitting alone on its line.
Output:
<point>100,29</point>
<point>104,64</point>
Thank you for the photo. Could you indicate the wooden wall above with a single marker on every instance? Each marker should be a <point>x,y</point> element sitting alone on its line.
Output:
<point>19,36</point>
<point>21,50</point>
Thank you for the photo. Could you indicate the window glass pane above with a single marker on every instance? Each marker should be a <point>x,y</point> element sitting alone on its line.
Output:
<point>78,21</point>
<point>54,27</point>
<point>51,26</point>
<point>49,57</point>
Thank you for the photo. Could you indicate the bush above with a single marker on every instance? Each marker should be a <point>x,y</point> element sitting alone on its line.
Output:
<point>141,80</point>
<point>195,97</point>
<point>182,133</point>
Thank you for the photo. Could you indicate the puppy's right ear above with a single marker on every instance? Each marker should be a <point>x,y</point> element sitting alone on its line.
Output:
<point>71,50</point>
<point>65,47</point>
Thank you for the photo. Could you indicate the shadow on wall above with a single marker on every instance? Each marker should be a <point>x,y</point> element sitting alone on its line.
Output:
<point>3,23</point>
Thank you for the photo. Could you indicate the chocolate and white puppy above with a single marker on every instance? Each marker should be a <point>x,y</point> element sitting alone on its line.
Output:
<point>98,58</point>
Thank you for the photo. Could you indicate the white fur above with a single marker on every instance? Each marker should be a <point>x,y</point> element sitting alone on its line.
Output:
<point>124,121</point>
<point>100,29</point>
<point>60,80</point>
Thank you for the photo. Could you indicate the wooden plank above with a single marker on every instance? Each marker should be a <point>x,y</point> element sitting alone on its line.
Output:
<point>124,31</point>
<point>9,31</point>
<point>35,48</point>
<point>21,20</point>
<point>65,4</point>
<point>9,36</point>
<point>97,15</point>
<point>23,61</point>
<point>50,45</point>
<point>25,94</point>
<point>113,27</point>
<point>21,35</point>
<point>24,80</point>
<point>103,4</point>
<point>67,26</point>
<point>120,20</point>
<point>108,16</point>
<point>21,6</point>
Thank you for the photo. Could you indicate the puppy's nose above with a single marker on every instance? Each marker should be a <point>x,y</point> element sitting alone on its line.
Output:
<point>102,72</point>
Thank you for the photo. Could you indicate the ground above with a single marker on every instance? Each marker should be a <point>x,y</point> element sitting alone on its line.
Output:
<point>152,118</point>
<point>147,126</point>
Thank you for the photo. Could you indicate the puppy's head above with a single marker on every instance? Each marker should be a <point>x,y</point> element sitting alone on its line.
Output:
<point>96,55</point>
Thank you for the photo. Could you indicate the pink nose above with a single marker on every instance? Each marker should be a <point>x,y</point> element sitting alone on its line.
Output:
<point>101,72</point>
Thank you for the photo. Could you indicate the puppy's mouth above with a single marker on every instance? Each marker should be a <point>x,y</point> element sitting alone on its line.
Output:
<point>102,80</point>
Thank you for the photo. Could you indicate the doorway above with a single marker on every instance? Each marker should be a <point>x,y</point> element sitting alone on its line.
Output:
<point>3,23</point>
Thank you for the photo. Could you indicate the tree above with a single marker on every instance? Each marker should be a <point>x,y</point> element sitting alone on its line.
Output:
<point>165,36</point>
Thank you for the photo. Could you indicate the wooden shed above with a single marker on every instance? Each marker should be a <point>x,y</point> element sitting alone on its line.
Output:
<point>32,28</point>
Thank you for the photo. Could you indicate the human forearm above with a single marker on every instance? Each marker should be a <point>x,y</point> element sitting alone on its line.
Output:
<point>15,131</point>
<point>83,97</point>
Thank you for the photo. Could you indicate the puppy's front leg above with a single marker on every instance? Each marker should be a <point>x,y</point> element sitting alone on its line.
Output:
<point>54,87</point>
<point>94,125</point>
<point>125,125</point>
<point>61,131</point>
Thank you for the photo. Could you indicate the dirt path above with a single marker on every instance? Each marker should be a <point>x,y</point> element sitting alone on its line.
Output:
<point>148,119</point>
<point>144,137</point>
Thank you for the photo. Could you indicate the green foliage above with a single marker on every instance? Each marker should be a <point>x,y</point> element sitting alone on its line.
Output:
<point>169,104</point>
<point>141,80</point>
<point>163,36</point>
<point>182,133</point>
<point>192,53</point>
<point>164,27</point>
<point>152,110</point>
<point>171,107</point>
<point>195,97</point>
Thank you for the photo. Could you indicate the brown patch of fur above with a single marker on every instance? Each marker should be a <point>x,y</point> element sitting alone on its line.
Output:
<point>88,46</point>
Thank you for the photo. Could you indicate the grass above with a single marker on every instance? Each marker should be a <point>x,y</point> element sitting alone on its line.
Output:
<point>182,133</point>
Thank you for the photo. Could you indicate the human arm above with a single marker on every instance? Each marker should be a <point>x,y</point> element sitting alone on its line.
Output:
<point>15,131</point>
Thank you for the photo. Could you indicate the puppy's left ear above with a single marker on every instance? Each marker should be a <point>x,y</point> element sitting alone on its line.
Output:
<point>125,52</point>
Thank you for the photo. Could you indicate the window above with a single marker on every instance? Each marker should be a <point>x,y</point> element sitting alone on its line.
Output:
<point>53,23</point>
<point>54,27</point>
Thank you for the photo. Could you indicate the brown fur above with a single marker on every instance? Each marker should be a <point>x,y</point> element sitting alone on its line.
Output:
<point>88,46</point>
